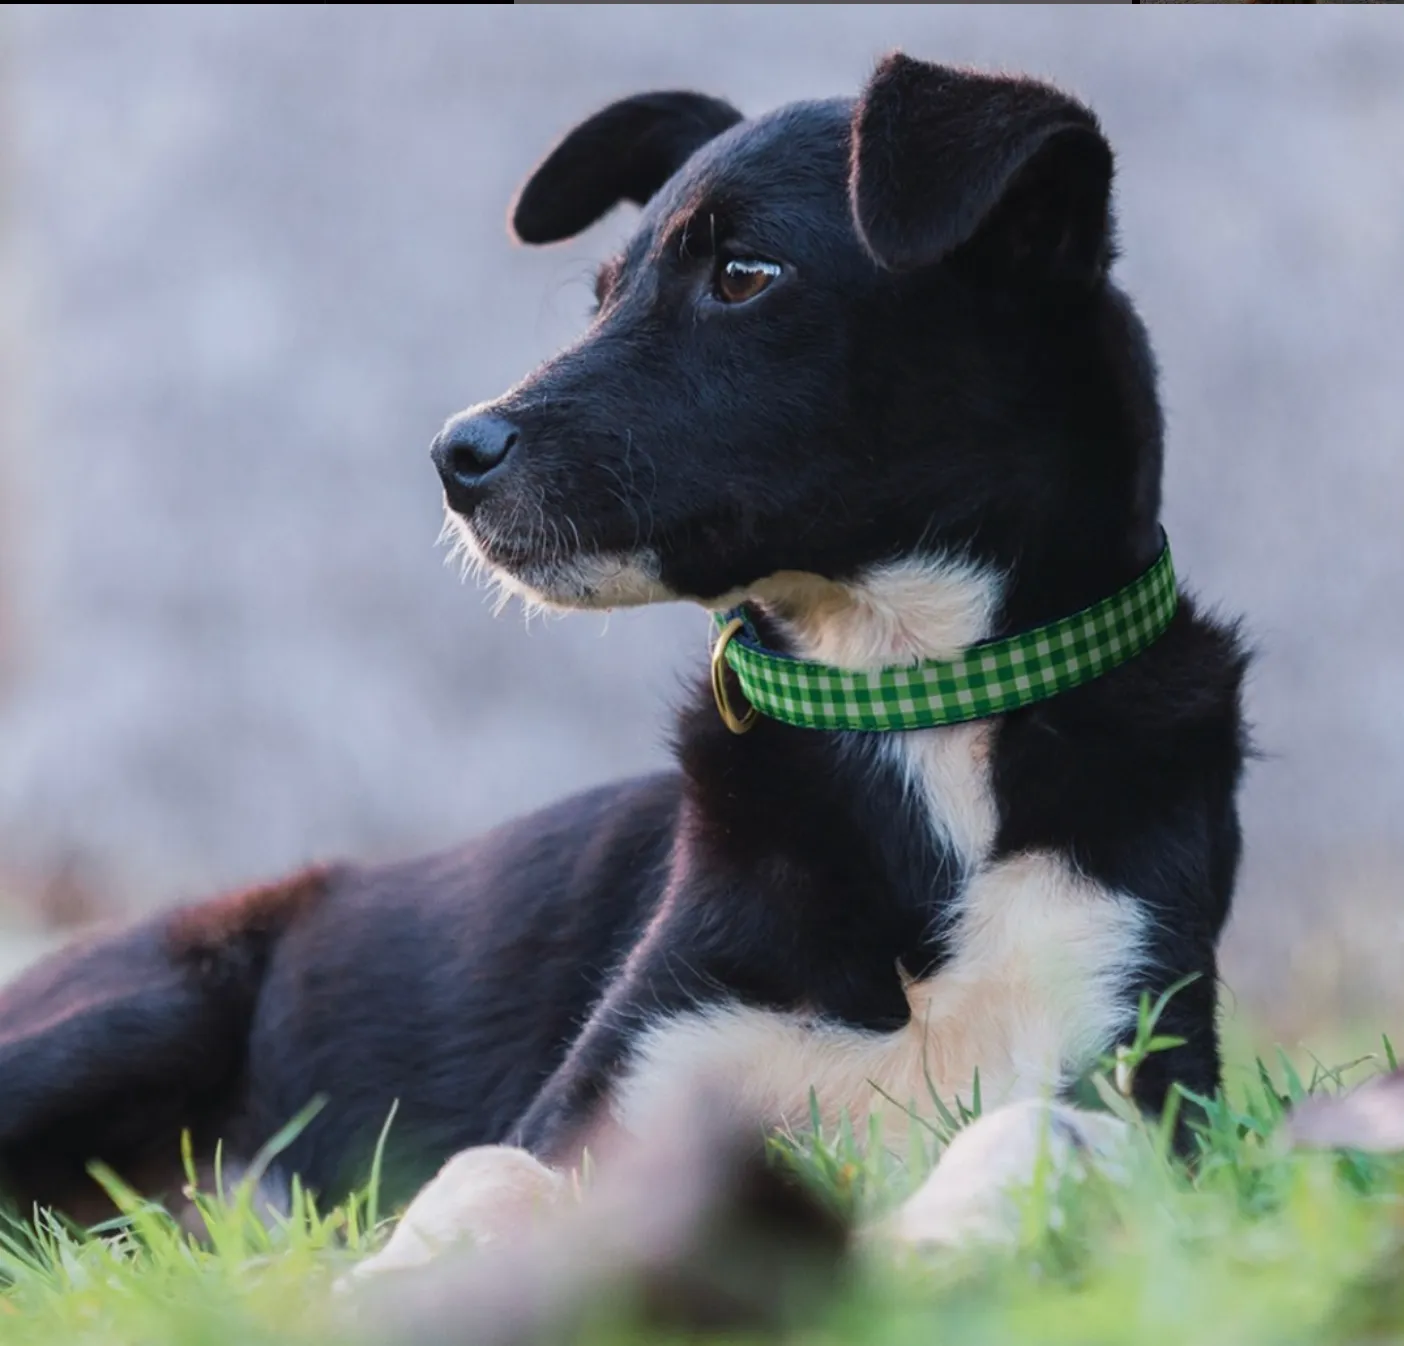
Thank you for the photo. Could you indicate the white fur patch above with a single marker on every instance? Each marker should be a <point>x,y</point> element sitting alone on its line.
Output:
<point>901,613</point>
<point>484,1194</point>
<point>604,580</point>
<point>972,1195</point>
<point>930,608</point>
<point>1033,990</point>
<point>567,580</point>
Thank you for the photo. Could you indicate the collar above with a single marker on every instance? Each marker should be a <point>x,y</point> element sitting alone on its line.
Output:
<point>988,679</point>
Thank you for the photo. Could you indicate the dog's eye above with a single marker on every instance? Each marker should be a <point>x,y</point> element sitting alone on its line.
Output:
<point>743,278</point>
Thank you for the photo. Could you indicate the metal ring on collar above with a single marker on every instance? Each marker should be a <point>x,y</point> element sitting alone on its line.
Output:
<point>738,724</point>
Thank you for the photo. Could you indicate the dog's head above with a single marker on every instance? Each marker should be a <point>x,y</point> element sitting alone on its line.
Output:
<point>842,336</point>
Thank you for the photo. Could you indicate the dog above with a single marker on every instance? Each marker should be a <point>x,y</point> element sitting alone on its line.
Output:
<point>861,377</point>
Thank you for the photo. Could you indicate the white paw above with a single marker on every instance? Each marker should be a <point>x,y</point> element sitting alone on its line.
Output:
<point>483,1194</point>
<point>973,1194</point>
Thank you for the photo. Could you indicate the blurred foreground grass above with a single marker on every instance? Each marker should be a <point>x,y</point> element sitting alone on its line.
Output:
<point>1258,1245</point>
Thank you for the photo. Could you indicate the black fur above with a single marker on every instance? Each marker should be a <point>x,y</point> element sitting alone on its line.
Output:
<point>624,153</point>
<point>941,367</point>
<point>936,153</point>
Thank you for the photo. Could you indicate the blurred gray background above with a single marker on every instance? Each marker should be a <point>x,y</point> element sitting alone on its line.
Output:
<point>254,255</point>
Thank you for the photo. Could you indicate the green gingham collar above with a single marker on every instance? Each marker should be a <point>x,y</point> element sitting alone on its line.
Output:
<point>984,680</point>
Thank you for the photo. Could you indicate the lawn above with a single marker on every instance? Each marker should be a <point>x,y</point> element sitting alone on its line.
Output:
<point>1259,1244</point>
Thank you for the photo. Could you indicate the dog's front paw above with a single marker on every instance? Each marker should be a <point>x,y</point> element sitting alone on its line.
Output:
<point>481,1195</point>
<point>972,1197</point>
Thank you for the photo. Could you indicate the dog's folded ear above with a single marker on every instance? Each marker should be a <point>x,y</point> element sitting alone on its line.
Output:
<point>1011,170</point>
<point>625,152</point>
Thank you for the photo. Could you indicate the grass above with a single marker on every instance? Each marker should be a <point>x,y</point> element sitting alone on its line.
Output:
<point>1258,1244</point>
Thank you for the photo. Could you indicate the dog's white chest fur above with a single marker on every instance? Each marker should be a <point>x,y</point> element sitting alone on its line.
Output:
<point>1034,987</point>
<point>1040,957</point>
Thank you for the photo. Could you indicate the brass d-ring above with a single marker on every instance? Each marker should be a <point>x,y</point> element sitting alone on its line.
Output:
<point>738,724</point>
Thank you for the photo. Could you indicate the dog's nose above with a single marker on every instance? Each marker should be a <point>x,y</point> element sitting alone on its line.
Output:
<point>469,447</point>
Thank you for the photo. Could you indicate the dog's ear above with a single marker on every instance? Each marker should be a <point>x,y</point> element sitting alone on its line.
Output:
<point>624,153</point>
<point>946,158</point>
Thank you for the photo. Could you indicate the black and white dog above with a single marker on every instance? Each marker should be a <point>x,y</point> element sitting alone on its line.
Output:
<point>860,366</point>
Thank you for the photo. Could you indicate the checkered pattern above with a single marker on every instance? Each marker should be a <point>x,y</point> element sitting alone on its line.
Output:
<point>988,679</point>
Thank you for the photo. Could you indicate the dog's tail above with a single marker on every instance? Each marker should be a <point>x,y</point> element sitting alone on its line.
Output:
<point>112,1047</point>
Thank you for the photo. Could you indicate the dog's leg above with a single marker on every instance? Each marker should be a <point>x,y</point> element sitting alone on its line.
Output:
<point>492,1191</point>
<point>481,1195</point>
<point>113,1046</point>
<point>973,1194</point>
<point>1190,1014</point>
